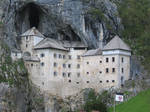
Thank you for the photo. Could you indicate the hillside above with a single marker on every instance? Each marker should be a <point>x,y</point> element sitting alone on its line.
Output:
<point>140,103</point>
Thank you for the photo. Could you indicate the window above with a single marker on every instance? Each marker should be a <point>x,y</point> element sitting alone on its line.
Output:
<point>69,56</point>
<point>107,81</point>
<point>42,64</point>
<point>113,81</point>
<point>113,59</point>
<point>42,55</point>
<point>101,81</point>
<point>100,61</point>
<point>32,64</point>
<point>42,83</point>
<point>60,56</point>
<point>87,62</point>
<point>100,72</point>
<point>26,45</point>
<point>122,70</point>
<point>107,60</point>
<point>27,38</point>
<point>55,55</point>
<point>69,65</point>
<point>69,81</point>
<point>15,54</point>
<point>78,74</point>
<point>87,72</point>
<point>107,70</point>
<point>122,59</point>
<point>69,74</point>
<point>64,57</point>
<point>113,69</point>
<point>55,73</point>
<point>78,57</point>
<point>64,74</point>
<point>87,82</point>
<point>64,65</point>
<point>55,64</point>
<point>77,82</point>
<point>78,65</point>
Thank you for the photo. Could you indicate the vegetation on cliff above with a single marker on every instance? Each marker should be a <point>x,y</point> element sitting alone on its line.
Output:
<point>135,16</point>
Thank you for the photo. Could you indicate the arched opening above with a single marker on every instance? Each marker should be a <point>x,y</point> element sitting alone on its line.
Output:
<point>34,15</point>
<point>26,54</point>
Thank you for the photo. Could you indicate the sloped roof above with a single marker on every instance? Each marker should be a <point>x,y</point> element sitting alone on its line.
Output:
<point>93,52</point>
<point>49,43</point>
<point>116,43</point>
<point>33,58</point>
<point>73,44</point>
<point>32,32</point>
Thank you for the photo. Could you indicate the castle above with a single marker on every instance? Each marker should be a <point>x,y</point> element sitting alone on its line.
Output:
<point>64,68</point>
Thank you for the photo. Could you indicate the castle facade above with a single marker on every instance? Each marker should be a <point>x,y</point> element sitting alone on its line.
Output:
<point>64,68</point>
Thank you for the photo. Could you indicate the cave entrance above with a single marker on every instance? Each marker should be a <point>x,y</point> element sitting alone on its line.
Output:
<point>34,15</point>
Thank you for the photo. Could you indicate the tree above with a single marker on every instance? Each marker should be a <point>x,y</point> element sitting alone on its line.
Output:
<point>94,102</point>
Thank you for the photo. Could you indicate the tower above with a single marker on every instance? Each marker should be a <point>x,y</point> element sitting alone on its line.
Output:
<point>101,37</point>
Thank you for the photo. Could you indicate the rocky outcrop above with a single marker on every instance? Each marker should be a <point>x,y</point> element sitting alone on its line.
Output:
<point>62,19</point>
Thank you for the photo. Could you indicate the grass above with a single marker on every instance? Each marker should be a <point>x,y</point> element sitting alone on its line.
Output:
<point>139,103</point>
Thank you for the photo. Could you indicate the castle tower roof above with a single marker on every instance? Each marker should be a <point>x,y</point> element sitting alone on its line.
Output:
<point>32,32</point>
<point>117,43</point>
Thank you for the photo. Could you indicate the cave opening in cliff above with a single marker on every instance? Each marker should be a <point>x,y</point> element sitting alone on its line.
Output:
<point>34,15</point>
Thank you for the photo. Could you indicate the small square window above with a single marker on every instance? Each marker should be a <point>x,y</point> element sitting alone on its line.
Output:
<point>55,73</point>
<point>122,70</point>
<point>69,65</point>
<point>64,57</point>
<point>64,74</point>
<point>113,80</point>
<point>113,69</point>
<point>101,81</point>
<point>26,45</point>
<point>87,81</point>
<point>77,82</point>
<point>78,74</point>
<point>32,64</point>
<point>55,64</point>
<point>113,59</point>
<point>100,72</point>
<point>107,60</point>
<point>87,72</point>
<point>69,81</point>
<point>42,55</point>
<point>107,70</point>
<point>100,61</point>
<point>69,74</point>
<point>78,57</point>
<point>107,81</point>
<point>42,64</point>
<point>60,56</point>
<point>122,59</point>
<point>55,55</point>
<point>78,65</point>
<point>64,65</point>
<point>69,56</point>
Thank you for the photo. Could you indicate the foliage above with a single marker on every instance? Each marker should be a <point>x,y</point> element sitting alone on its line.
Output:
<point>94,102</point>
<point>135,16</point>
<point>139,103</point>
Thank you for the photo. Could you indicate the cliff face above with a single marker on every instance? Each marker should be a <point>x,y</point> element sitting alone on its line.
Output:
<point>63,19</point>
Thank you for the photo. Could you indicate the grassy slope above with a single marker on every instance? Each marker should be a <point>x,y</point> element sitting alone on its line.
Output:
<point>140,103</point>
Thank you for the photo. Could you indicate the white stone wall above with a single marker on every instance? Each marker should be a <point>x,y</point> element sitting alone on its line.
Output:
<point>15,56</point>
<point>84,72</point>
